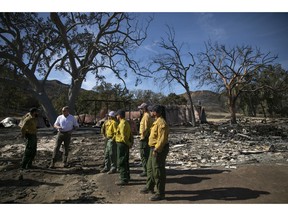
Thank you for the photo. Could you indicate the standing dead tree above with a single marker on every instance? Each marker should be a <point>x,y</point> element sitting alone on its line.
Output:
<point>171,67</point>
<point>231,70</point>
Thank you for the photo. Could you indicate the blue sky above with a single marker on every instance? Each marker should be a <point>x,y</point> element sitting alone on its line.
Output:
<point>267,31</point>
<point>261,24</point>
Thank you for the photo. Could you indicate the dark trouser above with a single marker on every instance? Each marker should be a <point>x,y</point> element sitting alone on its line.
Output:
<point>123,161</point>
<point>30,151</point>
<point>105,146</point>
<point>156,173</point>
<point>144,153</point>
<point>110,155</point>
<point>64,137</point>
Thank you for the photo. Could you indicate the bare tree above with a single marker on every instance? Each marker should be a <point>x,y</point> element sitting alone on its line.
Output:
<point>27,49</point>
<point>231,70</point>
<point>170,67</point>
<point>33,45</point>
<point>97,41</point>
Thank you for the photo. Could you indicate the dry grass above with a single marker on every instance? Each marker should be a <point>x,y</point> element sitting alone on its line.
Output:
<point>220,116</point>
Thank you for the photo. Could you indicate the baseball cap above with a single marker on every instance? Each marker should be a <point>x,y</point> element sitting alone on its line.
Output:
<point>143,105</point>
<point>111,113</point>
<point>121,113</point>
<point>33,109</point>
<point>158,109</point>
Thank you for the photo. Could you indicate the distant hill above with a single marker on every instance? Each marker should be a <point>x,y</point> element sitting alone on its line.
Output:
<point>56,83</point>
<point>211,101</point>
<point>54,87</point>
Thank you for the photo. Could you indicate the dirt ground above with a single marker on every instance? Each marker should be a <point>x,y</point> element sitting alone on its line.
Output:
<point>83,183</point>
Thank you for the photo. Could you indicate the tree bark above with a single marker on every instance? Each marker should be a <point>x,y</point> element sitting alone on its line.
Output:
<point>73,93</point>
<point>232,109</point>
<point>41,95</point>
<point>193,121</point>
<point>48,108</point>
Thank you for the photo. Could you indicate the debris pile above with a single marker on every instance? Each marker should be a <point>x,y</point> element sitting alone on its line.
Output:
<point>210,145</point>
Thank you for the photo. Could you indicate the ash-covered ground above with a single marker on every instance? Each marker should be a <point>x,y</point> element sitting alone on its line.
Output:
<point>210,163</point>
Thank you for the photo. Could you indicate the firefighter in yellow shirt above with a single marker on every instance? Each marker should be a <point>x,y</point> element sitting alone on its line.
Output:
<point>103,132</point>
<point>110,149</point>
<point>28,131</point>
<point>144,131</point>
<point>159,148</point>
<point>123,141</point>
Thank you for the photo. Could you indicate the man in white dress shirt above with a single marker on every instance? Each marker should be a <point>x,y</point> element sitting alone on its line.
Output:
<point>64,124</point>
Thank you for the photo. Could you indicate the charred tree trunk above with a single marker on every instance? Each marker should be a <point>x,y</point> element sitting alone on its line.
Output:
<point>263,110</point>
<point>48,108</point>
<point>40,94</point>
<point>193,121</point>
<point>232,109</point>
<point>73,93</point>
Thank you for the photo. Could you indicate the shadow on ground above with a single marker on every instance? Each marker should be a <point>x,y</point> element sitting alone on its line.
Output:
<point>190,176</point>
<point>81,200</point>
<point>25,183</point>
<point>225,193</point>
<point>187,177</point>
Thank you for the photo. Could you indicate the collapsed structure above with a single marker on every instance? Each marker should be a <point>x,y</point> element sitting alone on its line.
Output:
<point>175,115</point>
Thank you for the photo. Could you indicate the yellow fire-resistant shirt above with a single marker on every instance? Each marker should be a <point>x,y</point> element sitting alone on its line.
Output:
<point>159,134</point>
<point>123,132</point>
<point>29,125</point>
<point>145,125</point>
<point>111,128</point>
<point>104,127</point>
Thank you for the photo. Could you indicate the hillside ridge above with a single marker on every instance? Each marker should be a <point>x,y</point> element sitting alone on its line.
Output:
<point>212,101</point>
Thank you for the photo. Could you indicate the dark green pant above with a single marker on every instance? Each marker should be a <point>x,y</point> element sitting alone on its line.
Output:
<point>65,138</point>
<point>144,153</point>
<point>105,145</point>
<point>123,161</point>
<point>156,172</point>
<point>30,151</point>
<point>110,155</point>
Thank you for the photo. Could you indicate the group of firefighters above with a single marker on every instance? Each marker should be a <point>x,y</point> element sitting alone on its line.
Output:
<point>116,129</point>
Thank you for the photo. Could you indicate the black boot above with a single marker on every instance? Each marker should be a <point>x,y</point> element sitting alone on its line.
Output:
<point>65,164</point>
<point>52,164</point>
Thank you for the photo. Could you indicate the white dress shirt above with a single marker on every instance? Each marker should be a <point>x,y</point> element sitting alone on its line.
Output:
<point>66,123</point>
